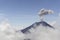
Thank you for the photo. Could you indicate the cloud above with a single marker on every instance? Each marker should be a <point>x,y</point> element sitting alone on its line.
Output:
<point>4,25</point>
<point>53,23</point>
<point>7,31</point>
<point>43,12</point>
<point>43,33</point>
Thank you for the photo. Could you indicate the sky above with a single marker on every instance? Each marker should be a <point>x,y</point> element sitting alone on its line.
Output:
<point>25,12</point>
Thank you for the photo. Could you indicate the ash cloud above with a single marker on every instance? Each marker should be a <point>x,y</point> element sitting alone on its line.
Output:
<point>45,12</point>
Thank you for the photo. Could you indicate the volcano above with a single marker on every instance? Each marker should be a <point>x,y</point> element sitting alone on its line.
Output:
<point>35,25</point>
<point>38,31</point>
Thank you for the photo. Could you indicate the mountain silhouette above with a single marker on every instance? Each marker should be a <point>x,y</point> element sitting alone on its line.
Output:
<point>34,25</point>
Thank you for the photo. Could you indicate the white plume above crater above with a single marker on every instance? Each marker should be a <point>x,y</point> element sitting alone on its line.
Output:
<point>44,12</point>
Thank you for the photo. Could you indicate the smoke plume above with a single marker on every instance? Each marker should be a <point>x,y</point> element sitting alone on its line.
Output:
<point>44,12</point>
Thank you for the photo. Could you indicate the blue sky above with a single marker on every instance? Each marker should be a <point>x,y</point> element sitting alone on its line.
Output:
<point>25,12</point>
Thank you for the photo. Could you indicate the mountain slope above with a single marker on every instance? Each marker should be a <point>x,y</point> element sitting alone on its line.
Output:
<point>43,23</point>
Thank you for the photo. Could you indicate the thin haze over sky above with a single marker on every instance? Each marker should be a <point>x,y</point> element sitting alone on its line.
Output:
<point>25,12</point>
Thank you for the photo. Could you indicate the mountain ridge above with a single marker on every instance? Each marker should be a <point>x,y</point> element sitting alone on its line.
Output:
<point>43,23</point>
